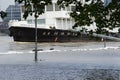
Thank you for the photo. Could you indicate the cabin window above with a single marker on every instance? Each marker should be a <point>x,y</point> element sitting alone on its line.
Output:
<point>56,33</point>
<point>48,33</point>
<point>44,33</point>
<point>62,33</point>
<point>76,34</point>
<point>57,8</point>
<point>73,34</point>
<point>23,9</point>
<point>68,8</point>
<point>72,8</point>
<point>41,21</point>
<point>68,33</point>
<point>30,21</point>
<point>49,8</point>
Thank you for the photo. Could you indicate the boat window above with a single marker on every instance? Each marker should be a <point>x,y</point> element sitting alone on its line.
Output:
<point>68,8</point>
<point>44,33</point>
<point>68,33</point>
<point>57,8</point>
<point>72,8</point>
<point>56,33</point>
<point>76,34</point>
<point>23,9</point>
<point>30,21</point>
<point>41,21</point>
<point>48,33</point>
<point>62,33</point>
<point>73,34</point>
<point>49,8</point>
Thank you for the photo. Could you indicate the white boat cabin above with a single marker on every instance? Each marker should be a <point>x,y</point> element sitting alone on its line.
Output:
<point>54,17</point>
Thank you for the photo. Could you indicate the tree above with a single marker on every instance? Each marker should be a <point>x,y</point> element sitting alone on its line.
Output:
<point>105,16</point>
<point>36,8</point>
<point>3,14</point>
<point>114,12</point>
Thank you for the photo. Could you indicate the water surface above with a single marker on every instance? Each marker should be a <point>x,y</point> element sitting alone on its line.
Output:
<point>66,61</point>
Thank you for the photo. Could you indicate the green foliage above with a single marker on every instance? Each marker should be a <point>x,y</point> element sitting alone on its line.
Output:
<point>119,30</point>
<point>33,6</point>
<point>105,16</point>
<point>3,14</point>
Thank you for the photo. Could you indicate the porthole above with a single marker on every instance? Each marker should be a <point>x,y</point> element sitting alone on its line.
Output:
<point>44,33</point>
<point>62,33</point>
<point>48,33</point>
<point>68,33</point>
<point>56,33</point>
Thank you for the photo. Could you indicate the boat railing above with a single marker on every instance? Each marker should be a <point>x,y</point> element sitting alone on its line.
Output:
<point>106,37</point>
<point>33,25</point>
<point>103,36</point>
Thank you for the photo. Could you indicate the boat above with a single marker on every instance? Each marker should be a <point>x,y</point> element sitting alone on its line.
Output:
<point>55,25</point>
<point>23,32</point>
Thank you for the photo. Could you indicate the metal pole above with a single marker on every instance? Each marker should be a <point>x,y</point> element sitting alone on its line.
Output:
<point>36,35</point>
<point>11,13</point>
<point>105,42</point>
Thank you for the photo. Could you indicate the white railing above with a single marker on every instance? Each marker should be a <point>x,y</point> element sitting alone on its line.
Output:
<point>106,37</point>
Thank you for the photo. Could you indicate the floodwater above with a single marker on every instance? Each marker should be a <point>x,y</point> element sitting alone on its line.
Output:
<point>59,61</point>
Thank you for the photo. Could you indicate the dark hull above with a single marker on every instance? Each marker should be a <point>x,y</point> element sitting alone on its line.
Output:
<point>24,34</point>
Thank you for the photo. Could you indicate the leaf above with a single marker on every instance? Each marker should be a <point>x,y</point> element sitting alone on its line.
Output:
<point>33,6</point>
<point>3,14</point>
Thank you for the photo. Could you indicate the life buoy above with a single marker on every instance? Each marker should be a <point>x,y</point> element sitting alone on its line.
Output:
<point>56,39</point>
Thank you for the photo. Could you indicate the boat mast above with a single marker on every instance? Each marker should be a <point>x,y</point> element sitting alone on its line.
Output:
<point>36,34</point>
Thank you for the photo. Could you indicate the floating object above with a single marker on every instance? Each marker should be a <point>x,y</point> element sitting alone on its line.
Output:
<point>38,50</point>
<point>51,48</point>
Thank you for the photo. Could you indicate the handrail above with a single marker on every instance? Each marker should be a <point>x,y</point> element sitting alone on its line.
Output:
<point>106,37</point>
